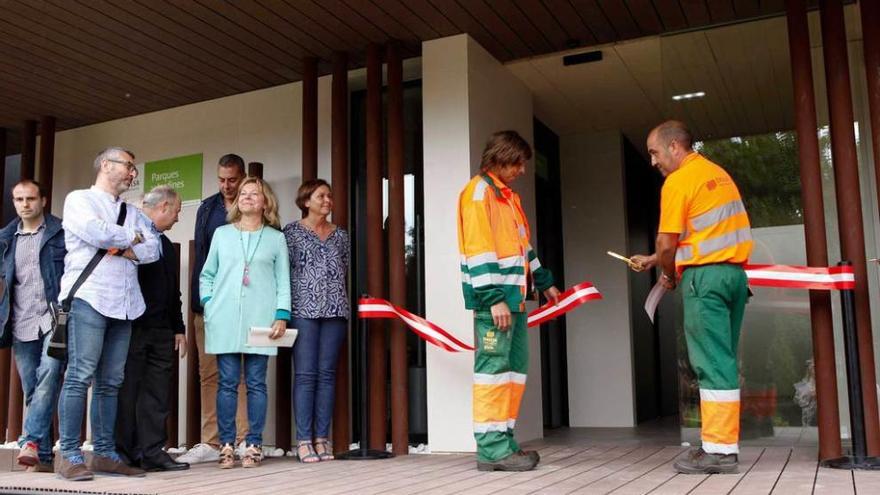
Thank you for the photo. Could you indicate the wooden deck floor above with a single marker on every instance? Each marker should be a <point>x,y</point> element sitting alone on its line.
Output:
<point>582,467</point>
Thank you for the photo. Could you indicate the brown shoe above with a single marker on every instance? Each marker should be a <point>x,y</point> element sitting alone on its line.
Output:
<point>532,454</point>
<point>28,455</point>
<point>227,456</point>
<point>41,467</point>
<point>113,466</point>
<point>74,470</point>
<point>513,462</point>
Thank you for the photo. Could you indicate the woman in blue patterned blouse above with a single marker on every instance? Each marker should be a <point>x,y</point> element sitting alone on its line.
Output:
<point>319,255</point>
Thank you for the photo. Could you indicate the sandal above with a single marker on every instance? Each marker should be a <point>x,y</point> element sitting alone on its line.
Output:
<point>252,457</point>
<point>305,452</point>
<point>226,459</point>
<point>323,449</point>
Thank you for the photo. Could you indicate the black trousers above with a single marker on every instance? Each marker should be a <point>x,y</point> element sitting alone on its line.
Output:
<point>143,399</point>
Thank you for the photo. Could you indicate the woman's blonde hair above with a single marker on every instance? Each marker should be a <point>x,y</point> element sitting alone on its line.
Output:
<point>270,211</point>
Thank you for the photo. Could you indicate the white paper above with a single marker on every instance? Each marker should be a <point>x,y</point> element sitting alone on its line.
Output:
<point>259,337</point>
<point>653,299</point>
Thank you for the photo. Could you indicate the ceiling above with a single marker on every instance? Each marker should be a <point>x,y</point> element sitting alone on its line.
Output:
<point>743,68</point>
<point>88,61</point>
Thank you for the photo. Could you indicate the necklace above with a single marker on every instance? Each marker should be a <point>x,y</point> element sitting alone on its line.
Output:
<point>246,279</point>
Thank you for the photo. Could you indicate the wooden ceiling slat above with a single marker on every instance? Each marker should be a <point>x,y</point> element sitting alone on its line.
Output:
<point>773,7</point>
<point>277,31</point>
<point>671,15</point>
<point>322,16</point>
<point>218,28</point>
<point>696,12</point>
<point>619,16</point>
<point>531,35</point>
<point>486,15</point>
<point>550,24</point>
<point>375,14</point>
<point>747,8</point>
<point>645,16</point>
<point>156,24</point>
<point>129,40</point>
<point>596,20</point>
<point>721,10</point>
<point>571,21</point>
<point>398,10</point>
<point>45,103</point>
<point>355,20</point>
<point>78,81</point>
<point>466,23</point>
<point>60,52</point>
<point>424,10</point>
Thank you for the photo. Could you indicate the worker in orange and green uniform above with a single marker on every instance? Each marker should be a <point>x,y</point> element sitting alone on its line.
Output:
<point>703,241</point>
<point>496,263</point>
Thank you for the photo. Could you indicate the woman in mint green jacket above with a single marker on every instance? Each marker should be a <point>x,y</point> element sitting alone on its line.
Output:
<point>245,283</point>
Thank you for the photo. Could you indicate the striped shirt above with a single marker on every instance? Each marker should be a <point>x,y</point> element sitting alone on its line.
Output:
<point>30,310</point>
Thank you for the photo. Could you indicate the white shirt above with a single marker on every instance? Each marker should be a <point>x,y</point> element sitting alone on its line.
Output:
<point>89,224</point>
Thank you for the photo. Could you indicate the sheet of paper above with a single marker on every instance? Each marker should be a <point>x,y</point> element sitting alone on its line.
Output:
<point>259,337</point>
<point>653,299</point>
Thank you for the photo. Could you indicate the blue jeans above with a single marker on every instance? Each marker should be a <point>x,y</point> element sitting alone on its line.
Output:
<point>314,365</point>
<point>229,369</point>
<point>97,347</point>
<point>40,380</point>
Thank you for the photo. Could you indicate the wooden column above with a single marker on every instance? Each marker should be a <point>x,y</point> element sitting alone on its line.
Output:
<point>28,148</point>
<point>849,198</point>
<point>47,157</point>
<point>193,383</point>
<point>396,254</point>
<point>255,169</point>
<point>814,227</point>
<point>871,39</point>
<point>339,180</point>
<point>375,242</point>
<point>310,119</point>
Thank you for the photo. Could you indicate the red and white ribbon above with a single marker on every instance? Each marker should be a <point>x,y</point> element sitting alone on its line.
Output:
<point>801,277</point>
<point>568,300</point>
<point>429,332</point>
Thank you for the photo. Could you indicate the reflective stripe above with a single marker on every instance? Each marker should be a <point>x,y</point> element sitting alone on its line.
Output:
<point>718,214</point>
<point>511,261</point>
<point>535,265</point>
<point>720,448</point>
<point>684,253</point>
<point>480,190</point>
<point>490,379</point>
<point>719,395</point>
<point>483,280</point>
<point>518,377</point>
<point>511,424</point>
<point>500,426</point>
<point>727,240</point>
<point>487,279</point>
<point>510,280</point>
<point>481,259</point>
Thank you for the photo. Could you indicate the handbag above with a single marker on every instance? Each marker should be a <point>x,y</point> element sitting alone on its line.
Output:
<point>58,341</point>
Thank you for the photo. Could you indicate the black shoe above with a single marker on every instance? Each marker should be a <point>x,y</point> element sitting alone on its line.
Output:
<point>164,463</point>
<point>513,462</point>
<point>701,462</point>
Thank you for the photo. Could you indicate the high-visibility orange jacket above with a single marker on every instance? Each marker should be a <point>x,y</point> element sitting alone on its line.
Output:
<point>493,240</point>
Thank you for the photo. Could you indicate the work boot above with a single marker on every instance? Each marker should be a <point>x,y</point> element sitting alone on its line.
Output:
<point>533,454</point>
<point>513,462</point>
<point>74,469</point>
<point>113,465</point>
<point>702,462</point>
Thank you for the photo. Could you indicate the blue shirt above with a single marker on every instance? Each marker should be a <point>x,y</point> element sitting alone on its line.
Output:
<point>318,272</point>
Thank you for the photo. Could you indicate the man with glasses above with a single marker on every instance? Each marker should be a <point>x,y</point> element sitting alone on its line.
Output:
<point>99,324</point>
<point>212,214</point>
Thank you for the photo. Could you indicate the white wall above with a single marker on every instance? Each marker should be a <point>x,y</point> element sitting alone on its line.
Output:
<point>467,95</point>
<point>599,345</point>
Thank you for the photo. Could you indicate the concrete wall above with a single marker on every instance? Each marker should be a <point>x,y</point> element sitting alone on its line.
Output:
<point>594,221</point>
<point>467,95</point>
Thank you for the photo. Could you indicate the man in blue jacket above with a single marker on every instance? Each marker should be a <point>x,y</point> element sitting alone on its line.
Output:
<point>33,262</point>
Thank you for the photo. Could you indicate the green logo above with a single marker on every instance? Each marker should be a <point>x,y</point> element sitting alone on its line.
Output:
<point>183,174</point>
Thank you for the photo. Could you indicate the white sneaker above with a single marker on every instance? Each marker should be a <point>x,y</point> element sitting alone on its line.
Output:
<point>200,453</point>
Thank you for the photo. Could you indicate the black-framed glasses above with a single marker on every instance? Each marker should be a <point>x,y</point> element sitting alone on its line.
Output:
<point>128,164</point>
